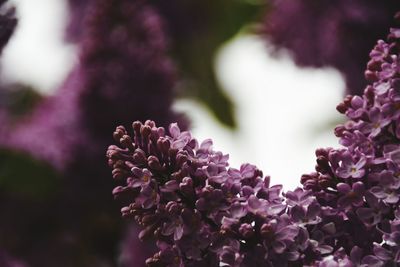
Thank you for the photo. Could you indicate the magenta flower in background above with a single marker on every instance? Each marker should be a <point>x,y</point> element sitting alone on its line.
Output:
<point>76,22</point>
<point>362,181</point>
<point>335,33</point>
<point>123,73</point>
<point>189,32</point>
<point>113,53</point>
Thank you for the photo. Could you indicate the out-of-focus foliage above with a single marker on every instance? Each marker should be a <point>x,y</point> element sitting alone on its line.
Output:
<point>25,176</point>
<point>18,100</point>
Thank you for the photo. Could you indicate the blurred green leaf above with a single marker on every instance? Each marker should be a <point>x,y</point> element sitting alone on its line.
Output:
<point>20,174</point>
<point>19,99</point>
<point>198,30</point>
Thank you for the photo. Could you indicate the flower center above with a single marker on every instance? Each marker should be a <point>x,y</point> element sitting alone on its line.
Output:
<point>146,178</point>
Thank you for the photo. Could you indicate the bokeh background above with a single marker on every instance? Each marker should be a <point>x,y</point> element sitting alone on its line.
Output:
<point>261,78</point>
<point>282,112</point>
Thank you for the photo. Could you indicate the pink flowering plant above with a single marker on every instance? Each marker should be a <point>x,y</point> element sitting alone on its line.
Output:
<point>201,212</point>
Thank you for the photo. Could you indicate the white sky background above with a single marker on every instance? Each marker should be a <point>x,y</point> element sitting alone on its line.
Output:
<point>283,111</point>
<point>37,53</point>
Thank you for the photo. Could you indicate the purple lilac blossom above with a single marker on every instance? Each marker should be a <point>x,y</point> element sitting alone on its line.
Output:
<point>366,195</point>
<point>76,20</point>
<point>122,66</point>
<point>52,131</point>
<point>335,33</point>
<point>203,213</point>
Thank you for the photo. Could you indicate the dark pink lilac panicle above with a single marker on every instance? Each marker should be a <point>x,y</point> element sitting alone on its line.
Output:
<point>126,67</point>
<point>76,19</point>
<point>52,132</point>
<point>203,213</point>
<point>361,182</point>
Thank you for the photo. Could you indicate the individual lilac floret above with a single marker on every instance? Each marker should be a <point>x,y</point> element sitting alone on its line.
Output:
<point>203,213</point>
<point>338,259</point>
<point>388,188</point>
<point>374,211</point>
<point>350,167</point>
<point>352,196</point>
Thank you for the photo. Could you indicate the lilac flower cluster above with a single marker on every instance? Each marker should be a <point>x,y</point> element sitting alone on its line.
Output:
<point>203,213</point>
<point>361,182</point>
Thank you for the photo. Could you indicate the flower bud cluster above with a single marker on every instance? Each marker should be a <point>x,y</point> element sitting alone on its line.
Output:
<point>361,182</point>
<point>203,213</point>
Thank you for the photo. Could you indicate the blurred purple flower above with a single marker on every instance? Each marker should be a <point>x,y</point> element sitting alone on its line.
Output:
<point>133,251</point>
<point>118,41</point>
<point>362,181</point>
<point>331,33</point>
<point>123,73</point>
